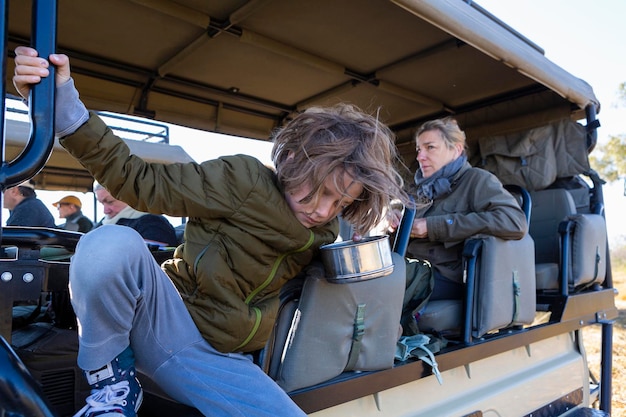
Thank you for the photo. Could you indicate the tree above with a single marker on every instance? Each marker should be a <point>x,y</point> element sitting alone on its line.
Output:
<point>609,159</point>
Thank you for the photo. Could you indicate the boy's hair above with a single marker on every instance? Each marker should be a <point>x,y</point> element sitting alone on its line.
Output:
<point>318,141</point>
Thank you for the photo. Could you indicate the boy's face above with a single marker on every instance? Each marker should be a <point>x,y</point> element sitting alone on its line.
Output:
<point>313,212</point>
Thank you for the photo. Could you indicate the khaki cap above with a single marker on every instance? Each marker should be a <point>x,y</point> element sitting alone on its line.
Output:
<point>70,199</point>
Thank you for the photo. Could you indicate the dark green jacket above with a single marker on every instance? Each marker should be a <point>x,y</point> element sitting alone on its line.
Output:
<point>242,241</point>
<point>477,204</point>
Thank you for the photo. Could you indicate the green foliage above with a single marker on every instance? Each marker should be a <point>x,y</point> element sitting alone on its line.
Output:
<point>609,159</point>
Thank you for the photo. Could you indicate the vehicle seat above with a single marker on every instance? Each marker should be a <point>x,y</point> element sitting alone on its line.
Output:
<point>522,195</point>
<point>332,328</point>
<point>562,236</point>
<point>549,208</point>
<point>324,329</point>
<point>496,269</point>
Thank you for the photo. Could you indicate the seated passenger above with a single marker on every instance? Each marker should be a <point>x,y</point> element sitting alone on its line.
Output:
<point>70,209</point>
<point>155,229</point>
<point>454,202</point>
<point>25,208</point>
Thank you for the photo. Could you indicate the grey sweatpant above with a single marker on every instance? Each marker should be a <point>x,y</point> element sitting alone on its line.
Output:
<point>121,296</point>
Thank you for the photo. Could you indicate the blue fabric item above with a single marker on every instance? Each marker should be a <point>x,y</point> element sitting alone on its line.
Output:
<point>70,112</point>
<point>31,212</point>
<point>438,184</point>
<point>116,390</point>
<point>153,227</point>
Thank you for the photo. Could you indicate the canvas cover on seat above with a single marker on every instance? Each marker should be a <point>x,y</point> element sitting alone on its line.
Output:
<point>554,223</point>
<point>550,208</point>
<point>331,321</point>
<point>503,277</point>
<point>505,285</point>
<point>587,261</point>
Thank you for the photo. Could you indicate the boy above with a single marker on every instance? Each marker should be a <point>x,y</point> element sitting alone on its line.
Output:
<point>189,324</point>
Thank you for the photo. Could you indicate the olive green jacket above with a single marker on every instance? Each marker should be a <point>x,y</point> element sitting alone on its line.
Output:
<point>242,241</point>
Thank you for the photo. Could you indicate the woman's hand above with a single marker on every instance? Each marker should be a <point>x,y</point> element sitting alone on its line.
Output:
<point>419,228</point>
<point>30,69</point>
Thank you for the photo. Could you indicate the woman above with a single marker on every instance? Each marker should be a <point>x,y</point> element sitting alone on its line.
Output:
<point>155,229</point>
<point>454,202</point>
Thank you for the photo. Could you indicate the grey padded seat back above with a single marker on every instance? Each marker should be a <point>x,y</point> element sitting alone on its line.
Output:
<point>575,258</point>
<point>505,289</point>
<point>504,295</point>
<point>550,207</point>
<point>332,328</point>
<point>587,250</point>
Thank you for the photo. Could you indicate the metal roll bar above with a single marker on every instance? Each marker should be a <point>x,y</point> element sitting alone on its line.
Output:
<point>39,147</point>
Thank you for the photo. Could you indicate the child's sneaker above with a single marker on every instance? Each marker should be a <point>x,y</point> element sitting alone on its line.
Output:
<point>116,392</point>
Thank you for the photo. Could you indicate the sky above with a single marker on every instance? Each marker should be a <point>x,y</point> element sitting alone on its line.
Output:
<point>583,37</point>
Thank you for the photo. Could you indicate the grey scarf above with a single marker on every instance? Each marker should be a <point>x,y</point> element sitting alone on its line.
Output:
<point>438,184</point>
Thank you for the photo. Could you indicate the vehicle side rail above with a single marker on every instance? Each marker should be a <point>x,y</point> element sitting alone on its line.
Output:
<point>36,237</point>
<point>578,311</point>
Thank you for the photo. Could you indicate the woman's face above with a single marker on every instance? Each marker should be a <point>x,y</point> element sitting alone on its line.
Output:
<point>110,205</point>
<point>314,212</point>
<point>432,152</point>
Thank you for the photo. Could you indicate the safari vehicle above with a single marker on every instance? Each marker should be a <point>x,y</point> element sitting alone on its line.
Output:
<point>242,68</point>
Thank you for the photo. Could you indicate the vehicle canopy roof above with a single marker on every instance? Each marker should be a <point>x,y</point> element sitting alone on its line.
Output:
<point>243,68</point>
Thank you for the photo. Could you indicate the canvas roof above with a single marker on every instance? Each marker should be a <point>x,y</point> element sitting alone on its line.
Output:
<point>244,67</point>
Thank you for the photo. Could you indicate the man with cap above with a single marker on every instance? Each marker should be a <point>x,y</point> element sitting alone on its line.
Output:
<point>70,209</point>
<point>25,208</point>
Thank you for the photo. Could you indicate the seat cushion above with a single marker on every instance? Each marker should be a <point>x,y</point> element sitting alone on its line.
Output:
<point>441,316</point>
<point>547,276</point>
<point>588,250</point>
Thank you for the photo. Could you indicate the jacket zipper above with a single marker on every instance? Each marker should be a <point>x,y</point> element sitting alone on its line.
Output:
<point>264,285</point>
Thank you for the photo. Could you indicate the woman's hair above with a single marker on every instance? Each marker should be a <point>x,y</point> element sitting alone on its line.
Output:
<point>320,140</point>
<point>450,131</point>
